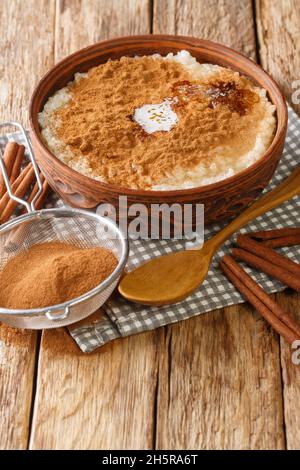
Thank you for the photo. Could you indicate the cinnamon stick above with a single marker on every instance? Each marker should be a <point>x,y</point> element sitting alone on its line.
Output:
<point>281,242</point>
<point>282,329</point>
<point>19,188</point>
<point>258,291</point>
<point>9,156</point>
<point>283,275</point>
<point>277,233</point>
<point>17,164</point>
<point>268,254</point>
<point>35,189</point>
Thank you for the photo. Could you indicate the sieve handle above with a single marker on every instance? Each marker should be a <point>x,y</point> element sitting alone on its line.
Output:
<point>60,316</point>
<point>30,206</point>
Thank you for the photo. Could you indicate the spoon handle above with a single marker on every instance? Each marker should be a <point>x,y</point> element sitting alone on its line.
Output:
<point>286,190</point>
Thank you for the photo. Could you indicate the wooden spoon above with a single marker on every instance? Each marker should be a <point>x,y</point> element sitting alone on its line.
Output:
<point>170,278</point>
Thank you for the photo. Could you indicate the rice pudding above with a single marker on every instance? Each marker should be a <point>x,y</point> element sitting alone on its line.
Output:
<point>158,123</point>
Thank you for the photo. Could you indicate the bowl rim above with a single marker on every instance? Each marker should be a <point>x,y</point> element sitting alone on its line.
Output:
<point>161,194</point>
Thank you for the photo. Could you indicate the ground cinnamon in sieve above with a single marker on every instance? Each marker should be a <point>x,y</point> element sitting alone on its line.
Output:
<point>52,273</point>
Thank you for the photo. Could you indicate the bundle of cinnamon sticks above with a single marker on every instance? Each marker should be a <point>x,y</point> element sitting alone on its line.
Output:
<point>257,250</point>
<point>21,179</point>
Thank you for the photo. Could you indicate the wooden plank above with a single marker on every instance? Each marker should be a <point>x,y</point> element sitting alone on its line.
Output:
<point>104,400</point>
<point>291,377</point>
<point>278,25</point>
<point>17,358</point>
<point>279,38</point>
<point>26,53</point>
<point>226,21</point>
<point>219,386</point>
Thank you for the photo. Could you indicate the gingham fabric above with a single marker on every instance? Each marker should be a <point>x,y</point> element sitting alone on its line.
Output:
<point>123,318</point>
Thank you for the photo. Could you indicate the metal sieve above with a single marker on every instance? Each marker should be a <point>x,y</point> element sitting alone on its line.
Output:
<point>78,227</point>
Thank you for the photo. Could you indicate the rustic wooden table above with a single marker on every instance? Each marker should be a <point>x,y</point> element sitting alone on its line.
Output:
<point>221,380</point>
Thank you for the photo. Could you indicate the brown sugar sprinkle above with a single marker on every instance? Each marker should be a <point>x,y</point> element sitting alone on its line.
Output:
<point>61,271</point>
<point>97,122</point>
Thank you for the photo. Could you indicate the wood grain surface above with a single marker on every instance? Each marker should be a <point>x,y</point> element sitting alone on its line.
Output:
<point>290,377</point>
<point>80,23</point>
<point>221,380</point>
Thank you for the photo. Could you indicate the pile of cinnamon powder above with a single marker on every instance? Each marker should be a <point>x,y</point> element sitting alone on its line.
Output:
<point>53,273</point>
<point>97,125</point>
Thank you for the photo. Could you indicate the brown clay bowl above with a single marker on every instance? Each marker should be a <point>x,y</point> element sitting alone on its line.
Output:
<point>221,200</point>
